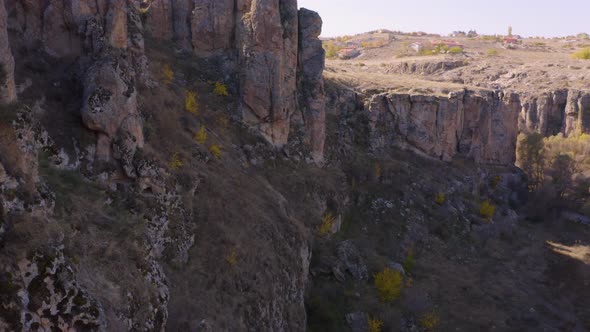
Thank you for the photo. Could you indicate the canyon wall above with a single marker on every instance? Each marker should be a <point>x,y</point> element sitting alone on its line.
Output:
<point>563,111</point>
<point>479,125</point>
<point>273,48</point>
<point>258,42</point>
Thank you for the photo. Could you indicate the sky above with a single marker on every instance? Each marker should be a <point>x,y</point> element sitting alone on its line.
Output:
<point>529,18</point>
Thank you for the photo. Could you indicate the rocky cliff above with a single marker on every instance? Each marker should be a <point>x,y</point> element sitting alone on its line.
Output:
<point>479,125</point>
<point>565,111</point>
<point>124,251</point>
<point>262,43</point>
<point>258,43</point>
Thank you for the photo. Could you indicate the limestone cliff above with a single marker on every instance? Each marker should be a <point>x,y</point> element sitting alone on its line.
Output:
<point>258,43</point>
<point>311,83</point>
<point>261,42</point>
<point>479,125</point>
<point>563,111</point>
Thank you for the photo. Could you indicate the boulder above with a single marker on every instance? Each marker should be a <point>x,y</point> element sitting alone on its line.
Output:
<point>110,108</point>
<point>350,261</point>
<point>358,321</point>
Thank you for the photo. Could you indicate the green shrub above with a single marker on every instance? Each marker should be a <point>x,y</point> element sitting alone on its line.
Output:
<point>331,49</point>
<point>440,198</point>
<point>167,74</point>
<point>455,50</point>
<point>215,151</point>
<point>487,210</point>
<point>328,221</point>
<point>583,54</point>
<point>375,325</point>
<point>492,52</point>
<point>389,284</point>
<point>429,321</point>
<point>409,261</point>
<point>175,162</point>
<point>201,135</point>
<point>220,89</point>
<point>190,104</point>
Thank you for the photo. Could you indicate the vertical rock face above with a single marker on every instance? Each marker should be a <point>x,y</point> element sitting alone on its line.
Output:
<point>7,86</point>
<point>212,26</point>
<point>544,114</point>
<point>110,106</point>
<point>260,39</point>
<point>266,36</point>
<point>310,82</point>
<point>479,125</point>
<point>564,112</point>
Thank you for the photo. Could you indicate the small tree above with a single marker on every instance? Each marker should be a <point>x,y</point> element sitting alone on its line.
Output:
<point>561,170</point>
<point>201,135</point>
<point>389,284</point>
<point>487,210</point>
<point>328,221</point>
<point>530,157</point>
<point>220,89</point>
<point>167,74</point>
<point>215,150</point>
<point>375,325</point>
<point>429,320</point>
<point>175,162</point>
<point>190,103</point>
<point>440,198</point>
<point>510,31</point>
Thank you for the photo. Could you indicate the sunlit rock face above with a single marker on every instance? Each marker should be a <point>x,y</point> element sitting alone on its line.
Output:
<point>480,125</point>
<point>565,111</point>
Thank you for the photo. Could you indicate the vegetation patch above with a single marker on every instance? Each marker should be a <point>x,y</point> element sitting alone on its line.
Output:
<point>201,135</point>
<point>583,54</point>
<point>375,325</point>
<point>220,89</point>
<point>389,284</point>
<point>487,210</point>
<point>328,221</point>
<point>429,321</point>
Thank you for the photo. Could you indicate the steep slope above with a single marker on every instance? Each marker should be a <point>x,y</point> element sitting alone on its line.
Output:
<point>112,215</point>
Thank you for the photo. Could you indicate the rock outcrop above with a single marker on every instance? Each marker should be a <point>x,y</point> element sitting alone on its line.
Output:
<point>110,108</point>
<point>312,103</point>
<point>426,67</point>
<point>7,86</point>
<point>479,125</point>
<point>266,44</point>
<point>563,111</point>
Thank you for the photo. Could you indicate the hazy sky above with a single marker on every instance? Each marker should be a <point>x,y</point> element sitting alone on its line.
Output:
<point>528,17</point>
